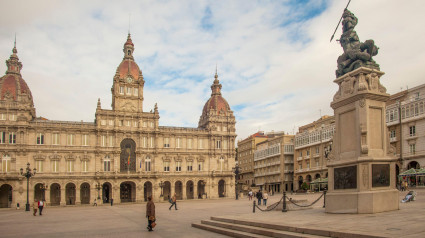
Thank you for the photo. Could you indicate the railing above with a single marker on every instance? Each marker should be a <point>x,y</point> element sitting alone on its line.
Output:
<point>393,139</point>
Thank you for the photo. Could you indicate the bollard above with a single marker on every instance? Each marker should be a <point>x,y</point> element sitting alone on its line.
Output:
<point>253,207</point>
<point>324,199</point>
<point>284,203</point>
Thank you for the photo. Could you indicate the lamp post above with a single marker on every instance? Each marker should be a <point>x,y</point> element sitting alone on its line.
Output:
<point>161,185</point>
<point>98,187</point>
<point>43,188</point>
<point>328,150</point>
<point>237,171</point>
<point>28,175</point>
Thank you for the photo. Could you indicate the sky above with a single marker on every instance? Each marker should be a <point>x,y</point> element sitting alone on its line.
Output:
<point>273,58</point>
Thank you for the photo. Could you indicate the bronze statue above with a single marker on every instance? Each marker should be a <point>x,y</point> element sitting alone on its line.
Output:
<point>356,54</point>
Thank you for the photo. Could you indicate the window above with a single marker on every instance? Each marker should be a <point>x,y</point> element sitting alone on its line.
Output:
<point>85,140</point>
<point>121,90</point>
<point>200,166</point>
<point>224,128</point>
<point>178,166</point>
<point>412,149</point>
<point>12,138</point>
<point>103,122</point>
<point>135,123</point>
<point>392,134</point>
<point>40,139</point>
<point>103,141</point>
<point>55,166</point>
<point>2,137</point>
<point>167,166</point>
<point>111,122</point>
<point>55,139</point>
<point>111,141</point>
<point>70,166</point>
<point>412,130</point>
<point>225,144</point>
<point>85,166</point>
<point>317,150</point>
<point>189,143</point>
<point>5,164</point>
<point>71,139</point>
<point>121,122</point>
<point>144,142</point>
<point>218,128</point>
<point>200,144</point>
<point>308,165</point>
<point>152,124</point>
<point>107,164</point>
<point>221,163</point>
<point>189,166</point>
<point>12,117</point>
<point>300,166</point>
<point>39,166</point>
<point>128,123</point>
<point>148,164</point>
<point>136,92</point>
<point>128,91</point>
<point>317,163</point>
<point>218,142</point>
<point>177,142</point>
<point>166,143</point>
<point>145,124</point>
<point>152,142</point>
<point>2,116</point>
<point>308,153</point>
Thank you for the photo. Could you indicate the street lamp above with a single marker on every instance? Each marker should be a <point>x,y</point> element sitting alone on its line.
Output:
<point>43,188</point>
<point>98,187</point>
<point>28,175</point>
<point>161,185</point>
<point>237,171</point>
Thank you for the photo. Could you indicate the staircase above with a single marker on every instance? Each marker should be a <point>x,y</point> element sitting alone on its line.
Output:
<point>252,229</point>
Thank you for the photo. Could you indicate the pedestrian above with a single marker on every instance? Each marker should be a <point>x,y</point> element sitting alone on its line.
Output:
<point>174,202</point>
<point>265,197</point>
<point>35,206</point>
<point>112,202</point>
<point>259,197</point>
<point>150,213</point>
<point>40,206</point>
<point>250,195</point>
<point>95,202</point>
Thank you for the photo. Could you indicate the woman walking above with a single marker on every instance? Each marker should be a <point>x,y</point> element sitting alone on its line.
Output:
<point>150,213</point>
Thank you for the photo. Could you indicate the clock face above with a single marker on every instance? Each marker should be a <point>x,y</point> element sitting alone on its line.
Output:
<point>129,79</point>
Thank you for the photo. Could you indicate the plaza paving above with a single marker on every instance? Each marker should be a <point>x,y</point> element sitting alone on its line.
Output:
<point>129,220</point>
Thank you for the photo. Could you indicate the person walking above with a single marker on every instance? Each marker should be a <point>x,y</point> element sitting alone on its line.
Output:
<point>35,206</point>
<point>40,206</point>
<point>249,195</point>
<point>112,202</point>
<point>150,213</point>
<point>95,202</point>
<point>265,197</point>
<point>174,202</point>
<point>259,197</point>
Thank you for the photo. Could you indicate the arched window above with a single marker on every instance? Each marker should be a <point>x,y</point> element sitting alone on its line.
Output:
<point>5,164</point>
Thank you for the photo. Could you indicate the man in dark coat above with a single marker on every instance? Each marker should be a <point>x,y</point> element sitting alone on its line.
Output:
<point>150,212</point>
<point>259,197</point>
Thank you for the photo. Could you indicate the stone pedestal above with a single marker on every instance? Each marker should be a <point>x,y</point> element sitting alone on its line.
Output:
<point>361,166</point>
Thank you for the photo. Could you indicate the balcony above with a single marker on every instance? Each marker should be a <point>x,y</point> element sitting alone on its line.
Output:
<point>393,139</point>
<point>299,158</point>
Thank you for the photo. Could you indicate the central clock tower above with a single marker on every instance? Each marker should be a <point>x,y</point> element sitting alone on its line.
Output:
<point>127,89</point>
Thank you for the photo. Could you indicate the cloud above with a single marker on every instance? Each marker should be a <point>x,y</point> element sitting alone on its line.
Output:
<point>274,58</point>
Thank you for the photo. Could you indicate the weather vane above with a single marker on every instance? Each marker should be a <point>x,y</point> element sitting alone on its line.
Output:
<point>339,21</point>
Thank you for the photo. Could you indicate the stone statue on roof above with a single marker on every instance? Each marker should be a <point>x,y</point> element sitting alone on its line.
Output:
<point>356,54</point>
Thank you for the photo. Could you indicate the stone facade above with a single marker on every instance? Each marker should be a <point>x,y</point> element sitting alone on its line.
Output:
<point>274,164</point>
<point>124,155</point>
<point>246,149</point>
<point>313,143</point>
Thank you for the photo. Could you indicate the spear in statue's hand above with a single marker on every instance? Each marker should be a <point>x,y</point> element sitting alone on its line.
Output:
<point>340,21</point>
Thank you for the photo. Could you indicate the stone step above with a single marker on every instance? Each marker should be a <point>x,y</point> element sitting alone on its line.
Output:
<point>258,230</point>
<point>300,230</point>
<point>227,232</point>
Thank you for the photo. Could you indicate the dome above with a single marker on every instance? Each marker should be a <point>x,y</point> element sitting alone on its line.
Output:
<point>12,85</point>
<point>216,101</point>
<point>128,66</point>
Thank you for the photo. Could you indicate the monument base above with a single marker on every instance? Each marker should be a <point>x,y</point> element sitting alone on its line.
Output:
<point>362,202</point>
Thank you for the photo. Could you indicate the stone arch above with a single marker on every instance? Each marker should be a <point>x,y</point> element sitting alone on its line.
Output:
<point>128,191</point>
<point>300,181</point>
<point>147,190</point>
<point>308,178</point>
<point>70,194</point>
<point>413,165</point>
<point>39,192</point>
<point>55,194</point>
<point>317,176</point>
<point>85,193</point>
<point>221,188</point>
<point>6,192</point>
<point>106,192</point>
<point>189,189</point>
<point>167,190</point>
<point>178,188</point>
<point>201,188</point>
<point>128,155</point>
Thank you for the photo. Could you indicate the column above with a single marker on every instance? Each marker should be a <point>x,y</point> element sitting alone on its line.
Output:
<point>184,192</point>
<point>77,195</point>
<point>63,198</point>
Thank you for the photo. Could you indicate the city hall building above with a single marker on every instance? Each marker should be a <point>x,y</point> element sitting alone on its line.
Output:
<point>124,155</point>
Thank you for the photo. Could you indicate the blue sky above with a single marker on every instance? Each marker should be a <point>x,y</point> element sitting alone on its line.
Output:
<point>274,58</point>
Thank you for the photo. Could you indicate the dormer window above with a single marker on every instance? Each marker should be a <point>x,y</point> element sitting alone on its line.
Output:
<point>129,52</point>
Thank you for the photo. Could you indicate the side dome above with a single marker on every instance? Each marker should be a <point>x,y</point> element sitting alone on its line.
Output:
<point>216,103</point>
<point>12,86</point>
<point>128,67</point>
